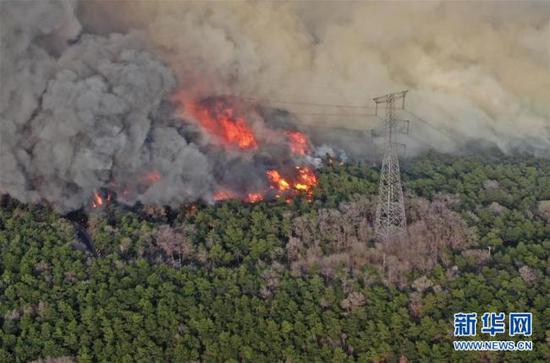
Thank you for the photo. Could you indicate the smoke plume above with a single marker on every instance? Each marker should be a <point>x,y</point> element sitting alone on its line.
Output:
<point>87,96</point>
<point>78,122</point>
<point>476,71</point>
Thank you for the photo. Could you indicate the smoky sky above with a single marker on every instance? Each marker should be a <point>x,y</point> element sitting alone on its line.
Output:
<point>84,84</point>
<point>474,70</point>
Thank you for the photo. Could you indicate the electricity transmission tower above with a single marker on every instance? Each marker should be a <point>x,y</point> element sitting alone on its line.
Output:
<point>390,210</point>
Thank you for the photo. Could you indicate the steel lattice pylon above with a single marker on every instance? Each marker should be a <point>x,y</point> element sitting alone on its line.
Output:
<point>390,209</point>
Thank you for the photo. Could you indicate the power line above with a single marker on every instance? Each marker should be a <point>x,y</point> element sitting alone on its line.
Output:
<point>335,114</point>
<point>440,130</point>
<point>301,103</point>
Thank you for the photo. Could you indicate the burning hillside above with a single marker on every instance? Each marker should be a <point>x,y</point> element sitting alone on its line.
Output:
<point>252,159</point>
<point>270,151</point>
<point>94,100</point>
<point>220,118</point>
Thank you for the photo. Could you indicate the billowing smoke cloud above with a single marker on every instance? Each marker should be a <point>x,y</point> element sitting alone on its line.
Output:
<point>476,71</point>
<point>81,121</point>
<point>86,86</point>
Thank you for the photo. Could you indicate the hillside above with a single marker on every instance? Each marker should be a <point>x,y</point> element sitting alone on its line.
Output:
<point>275,281</point>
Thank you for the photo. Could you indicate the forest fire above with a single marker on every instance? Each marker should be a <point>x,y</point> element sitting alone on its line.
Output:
<point>254,197</point>
<point>249,198</point>
<point>270,152</point>
<point>152,177</point>
<point>221,119</point>
<point>303,181</point>
<point>275,150</point>
<point>298,142</point>
<point>99,201</point>
<point>224,195</point>
<point>306,180</point>
<point>277,181</point>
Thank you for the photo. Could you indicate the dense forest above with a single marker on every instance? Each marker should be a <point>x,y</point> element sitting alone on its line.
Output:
<point>274,281</point>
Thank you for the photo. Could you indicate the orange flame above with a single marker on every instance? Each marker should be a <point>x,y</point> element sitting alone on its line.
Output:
<point>254,197</point>
<point>304,181</point>
<point>224,195</point>
<point>152,177</point>
<point>98,201</point>
<point>222,121</point>
<point>227,194</point>
<point>298,142</point>
<point>279,182</point>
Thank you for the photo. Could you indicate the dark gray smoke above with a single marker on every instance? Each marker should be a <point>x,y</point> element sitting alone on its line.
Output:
<point>77,118</point>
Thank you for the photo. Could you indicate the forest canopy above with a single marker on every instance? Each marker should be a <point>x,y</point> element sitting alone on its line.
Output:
<point>275,281</point>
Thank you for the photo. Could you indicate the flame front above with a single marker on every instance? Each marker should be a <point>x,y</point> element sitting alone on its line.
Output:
<point>227,194</point>
<point>277,181</point>
<point>98,200</point>
<point>306,180</point>
<point>220,119</point>
<point>223,118</point>
<point>224,195</point>
<point>303,181</point>
<point>297,142</point>
<point>254,197</point>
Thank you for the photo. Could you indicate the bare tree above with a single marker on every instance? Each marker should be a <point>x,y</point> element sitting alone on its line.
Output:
<point>337,238</point>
